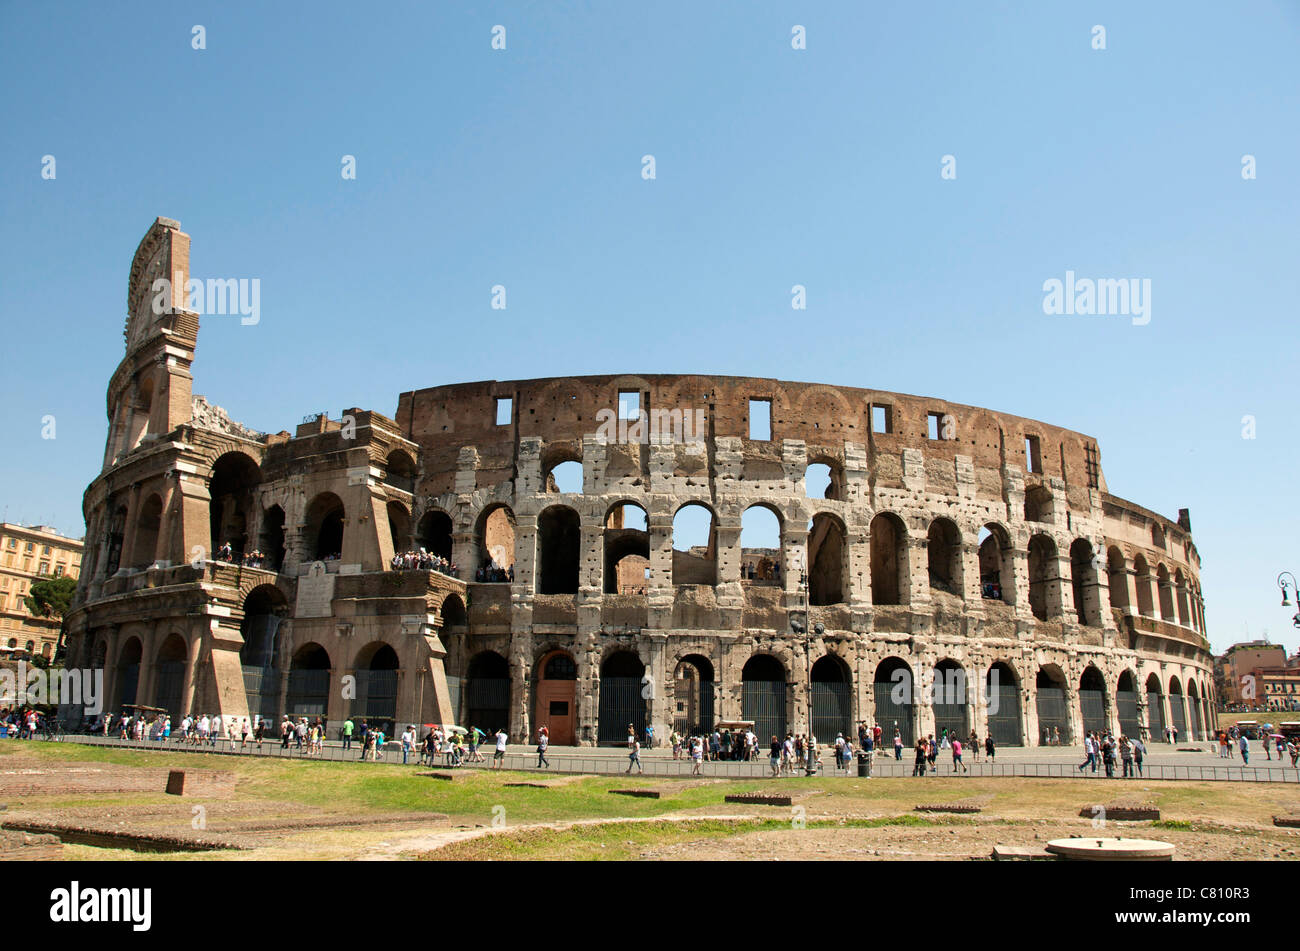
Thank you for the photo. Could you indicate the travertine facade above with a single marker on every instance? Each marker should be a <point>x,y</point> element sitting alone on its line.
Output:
<point>951,539</point>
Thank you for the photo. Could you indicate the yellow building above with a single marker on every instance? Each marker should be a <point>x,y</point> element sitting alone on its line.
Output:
<point>28,554</point>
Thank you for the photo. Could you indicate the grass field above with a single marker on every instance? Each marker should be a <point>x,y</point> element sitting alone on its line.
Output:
<point>577,817</point>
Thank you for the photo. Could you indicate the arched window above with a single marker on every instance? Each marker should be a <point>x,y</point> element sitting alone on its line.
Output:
<point>1044,582</point>
<point>695,545</point>
<point>889,574</point>
<point>828,559</point>
<point>997,564</point>
<point>627,549</point>
<point>1083,582</point>
<point>760,546</point>
<point>559,542</point>
<point>943,552</point>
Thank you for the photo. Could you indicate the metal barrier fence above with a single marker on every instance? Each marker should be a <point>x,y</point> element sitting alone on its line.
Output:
<point>883,766</point>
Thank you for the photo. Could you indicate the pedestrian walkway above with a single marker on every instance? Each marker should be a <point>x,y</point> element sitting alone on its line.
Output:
<point>1032,762</point>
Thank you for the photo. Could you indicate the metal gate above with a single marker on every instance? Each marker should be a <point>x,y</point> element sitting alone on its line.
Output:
<point>1004,716</point>
<point>377,699</point>
<point>309,693</point>
<point>1092,704</point>
<point>1197,727</point>
<point>621,703</point>
<point>1178,713</point>
<point>832,710</point>
<point>171,678</point>
<point>1156,715</point>
<point>707,692</point>
<point>763,701</point>
<point>262,687</point>
<point>130,680</point>
<point>1126,703</point>
<point>891,715</point>
<point>1053,715</point>
<point>489,703</point>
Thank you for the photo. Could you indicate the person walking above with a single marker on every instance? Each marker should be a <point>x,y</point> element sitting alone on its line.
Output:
<point>957,764</point>
<point>408,743</point>
<point>633,750</point>
<point>543,741</point>
<point>1245,750</point>
<point>918,767</point>
<point>776,757</point>
<point>1126,755</point>
<point>1139,754</point>
<point>990,750</point>
<point>898,746</point>
<point>697,755</point>
<point>1090,754</point>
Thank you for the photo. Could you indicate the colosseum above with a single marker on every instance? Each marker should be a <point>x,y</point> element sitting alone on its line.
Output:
<point>843,541</point>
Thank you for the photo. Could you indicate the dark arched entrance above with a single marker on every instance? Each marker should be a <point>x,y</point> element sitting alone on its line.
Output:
<point>555,703</point>
<point>171,676</point>
<point>621,699</point>
<point>309,682</point>
<point>1053,711</point>
<point>693,691</point>
<point>488,693</point>
<point>763,696</point>
<point>1155,708</point>
<point>1092,701</point>
<point>832,699</point>
<point>1002,694</point>
<point>893,691</point>
<point>129,671</point>
<point>949,701</point>
<point>1126,706</point>
<point>376,672</point>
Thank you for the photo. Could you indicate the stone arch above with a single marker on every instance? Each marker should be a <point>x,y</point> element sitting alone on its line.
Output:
<point>694,695</point>
<point>1052,706</point>
<point>1166,594</point>
<point>1156,706</point>
<point>559,550</point>
<point>487,692</point>
<point>434,533</point>
<point>894,689</point>
<point>562,469</point>
<point>1117,578</point>
<point>627,549</point>
<point>129,657</point>
<point>889,570</point>
<point>827,559</point>
<point>997,564</point>
<point>1127,705</point>
<point>1142,583</point>
<point>948,700</point>
<point>1044,583</point>
<point>832,698</point>
<point>622,698</point>
<point>695,563</point>
<point>399,526</point>
<point>763,695</point>
<point>233,486</point>
<point>944,557</point>
<point>323,527</point>
<point>270,537</point>
<point>824,478</point>
<point>555,696</point>
<point>400,471</point>
<point>309,682</point>
<point>1092,700</point>
<point>1002,694</point>
<point>376,669</point>
<point>1177,707</point>
<point>147,526</point>
<point>494,533</point>
<point>1194,723</point>
<point>762,529</point>
<point>1083,581</point>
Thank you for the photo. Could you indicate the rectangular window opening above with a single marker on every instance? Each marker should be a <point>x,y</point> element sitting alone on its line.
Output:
<point>882,419</point>
<point>1033,455</point>
<point>629,404</point>
<point>505,410</point>
<point>760,420</point>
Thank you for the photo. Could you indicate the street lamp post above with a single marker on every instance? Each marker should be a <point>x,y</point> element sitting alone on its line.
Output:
<point>1295,587</point>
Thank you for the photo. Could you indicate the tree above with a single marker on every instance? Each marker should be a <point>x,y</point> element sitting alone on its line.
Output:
<point>50,596</point>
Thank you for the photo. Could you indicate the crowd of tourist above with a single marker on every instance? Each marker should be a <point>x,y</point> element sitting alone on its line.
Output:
<point>249,559</point>
<point>422,560</point>
<point>20,723</point>
<point>492,572</point>
<point>1108,749</point>
<point>765,570</point>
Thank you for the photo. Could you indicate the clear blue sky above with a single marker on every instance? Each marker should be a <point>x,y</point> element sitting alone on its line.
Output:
<point>775,167</point>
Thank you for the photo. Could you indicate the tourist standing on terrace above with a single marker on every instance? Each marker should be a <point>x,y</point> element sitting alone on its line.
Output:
<point>499,757</point>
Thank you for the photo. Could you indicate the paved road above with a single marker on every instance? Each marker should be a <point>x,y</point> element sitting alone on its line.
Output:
<point>1186,761</point>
